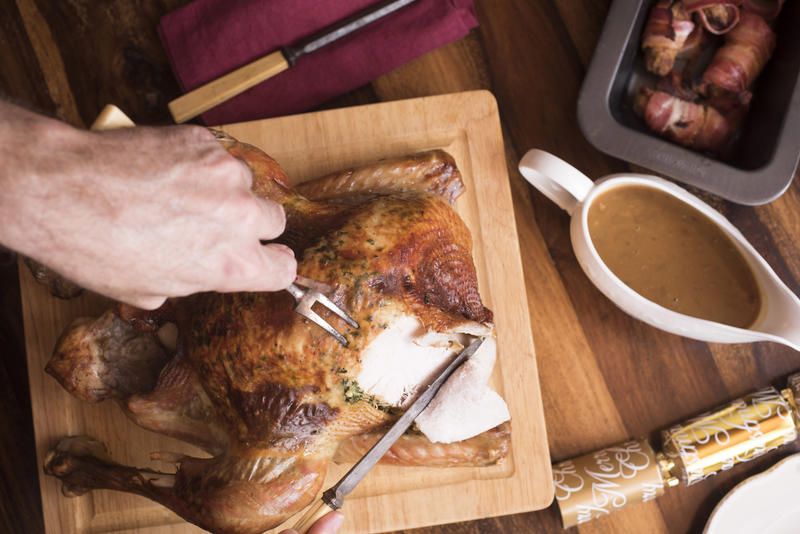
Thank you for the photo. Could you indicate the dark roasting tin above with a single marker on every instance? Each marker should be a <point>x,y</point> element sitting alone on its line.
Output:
<point>768,150</point>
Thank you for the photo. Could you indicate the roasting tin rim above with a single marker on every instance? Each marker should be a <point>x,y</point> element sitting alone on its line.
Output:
<point>617,46</point>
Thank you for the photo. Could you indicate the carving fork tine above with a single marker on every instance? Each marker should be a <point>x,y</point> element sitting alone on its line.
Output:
<point>314,292</point>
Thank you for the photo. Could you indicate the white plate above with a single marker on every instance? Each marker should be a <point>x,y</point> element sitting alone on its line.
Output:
<point>765,503</point>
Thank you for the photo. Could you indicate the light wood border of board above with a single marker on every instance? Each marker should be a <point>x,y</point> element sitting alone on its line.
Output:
<point>468,124</point>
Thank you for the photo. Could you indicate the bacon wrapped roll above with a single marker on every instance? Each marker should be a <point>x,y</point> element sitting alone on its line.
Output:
<point>666,31</point>
<point>694,44</point>
<point>731,105</point>
<point>676,85</point>
<point>717,16</point>
<point>690,124</point>
<point>738,62</point>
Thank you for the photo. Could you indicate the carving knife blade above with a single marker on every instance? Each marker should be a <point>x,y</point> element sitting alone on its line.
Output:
<point>235,82</point>
<point>333,497</point>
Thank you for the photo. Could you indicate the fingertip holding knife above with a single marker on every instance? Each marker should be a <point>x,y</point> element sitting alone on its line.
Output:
<point>216,92</point>
<point>333,498</point>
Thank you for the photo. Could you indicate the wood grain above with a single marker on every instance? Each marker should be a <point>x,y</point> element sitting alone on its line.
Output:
<point>604,376</point>
<point>467,126</point>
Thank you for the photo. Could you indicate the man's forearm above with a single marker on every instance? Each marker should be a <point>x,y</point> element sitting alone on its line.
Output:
<point>137,214</point>
<point>34,151</point>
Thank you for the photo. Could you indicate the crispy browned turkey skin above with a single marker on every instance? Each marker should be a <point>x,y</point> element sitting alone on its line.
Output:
<point>259,387</point>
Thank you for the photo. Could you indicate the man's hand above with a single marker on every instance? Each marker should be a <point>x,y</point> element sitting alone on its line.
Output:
<point>137,214</point>
<point>327,524</point>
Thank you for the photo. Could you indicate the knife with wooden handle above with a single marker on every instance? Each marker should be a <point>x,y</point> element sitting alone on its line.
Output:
<point>226,87</point>
<point>333,498</point>
<point>111,118</point>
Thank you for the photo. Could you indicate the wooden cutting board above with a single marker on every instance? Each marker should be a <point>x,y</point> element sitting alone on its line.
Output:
<point>390,498</point>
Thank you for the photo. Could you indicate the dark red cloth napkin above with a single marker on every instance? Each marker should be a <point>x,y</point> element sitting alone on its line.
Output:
<point>208,38</point>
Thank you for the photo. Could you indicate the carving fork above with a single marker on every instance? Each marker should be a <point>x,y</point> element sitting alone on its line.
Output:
<point>315,292</point>
<point>112,117</point>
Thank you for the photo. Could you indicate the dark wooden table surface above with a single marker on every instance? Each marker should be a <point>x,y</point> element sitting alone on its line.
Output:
<point>605,377</point>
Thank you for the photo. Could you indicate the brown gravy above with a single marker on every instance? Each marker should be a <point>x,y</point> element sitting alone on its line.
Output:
<point>673,255</point>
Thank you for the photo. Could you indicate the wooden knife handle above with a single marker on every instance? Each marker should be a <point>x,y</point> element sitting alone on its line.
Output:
<point>312,514</point>
<point>111,118</point>
<point>218,91</point>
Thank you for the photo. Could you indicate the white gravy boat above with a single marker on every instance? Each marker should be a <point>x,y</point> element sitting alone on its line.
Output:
<point>779,317</point>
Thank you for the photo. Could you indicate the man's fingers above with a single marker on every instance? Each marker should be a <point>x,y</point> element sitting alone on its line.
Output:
<point>272,221</point>
<point>247,173</point>
<point>280,267</point>
<point>327,524</point>
<point>262,268</point>
<point>146,302</point>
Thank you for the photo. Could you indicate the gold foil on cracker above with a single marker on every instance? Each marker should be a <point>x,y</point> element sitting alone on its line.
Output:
<point>601,482</point>
<point>793,385</point>
<point>737,432</point>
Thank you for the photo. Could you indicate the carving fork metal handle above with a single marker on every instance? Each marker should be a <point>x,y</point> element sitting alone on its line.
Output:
<point>309,296</point>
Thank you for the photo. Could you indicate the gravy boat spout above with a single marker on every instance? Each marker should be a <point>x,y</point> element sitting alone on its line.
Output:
<point>778,317</point>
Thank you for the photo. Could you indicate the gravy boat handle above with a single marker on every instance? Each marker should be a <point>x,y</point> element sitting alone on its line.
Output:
<point>558,180</point>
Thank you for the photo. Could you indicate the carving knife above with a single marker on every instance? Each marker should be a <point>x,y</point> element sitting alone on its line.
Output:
<point>333,498</point>
<point>226,87</point>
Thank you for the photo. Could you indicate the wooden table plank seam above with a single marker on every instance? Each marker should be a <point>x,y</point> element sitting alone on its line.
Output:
<point>598,386</point>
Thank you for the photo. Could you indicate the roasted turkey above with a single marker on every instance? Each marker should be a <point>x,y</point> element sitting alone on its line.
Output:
<point>271,396</point>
